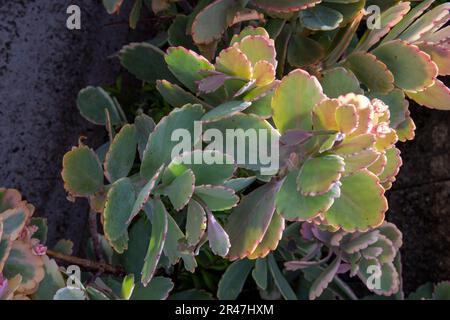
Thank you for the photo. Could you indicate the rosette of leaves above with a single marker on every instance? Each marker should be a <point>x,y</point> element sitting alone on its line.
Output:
<point>22,254</point>
<point>373,255</point>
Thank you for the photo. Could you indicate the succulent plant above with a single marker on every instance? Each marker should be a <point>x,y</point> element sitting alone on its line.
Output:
<point>337,120</point>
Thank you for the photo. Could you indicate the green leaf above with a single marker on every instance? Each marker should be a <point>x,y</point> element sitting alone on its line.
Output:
<point>294,100</point>
<point>119,204</point>
<point>82,172</point>
<point>398,106</point>
<point>258,48</point>
<point>260,274</point>
<point>52,282</point>
<point>176,96</point>
<point>233,280</point>
<point>280,281</point>
<point>225,110</point>
<point>178,31</point>
<point>321,18</point>
<point>439,54</point>
<point>295,207</point>
<point>158,289</point>
<point>209,167</point>
<point>191,294</point>
<point>92,102</point>
<point>324,279</point>
<point>271,238</point>
<point>127,286</point>
<point>156,243</point>
<point>339,81</point>
<point>399,56</point>
<point>146,62</point>
<point>210,24</point>
<point>373,73</point>
<point>181,189</point>
<point>298,57</point>
<point>160,145</point>
<point>144,127</point>
<point>13,221</point>
<point>217,198</point>
<point>187,66</point>
<point>318,175</point>
<point>240,129</point>
<point>217,237</point>
<point>195,223</point>
<point>249,221</point>
<point>284,5</point>
<point>234,62</point>
<point>442,291</point>
<point>435,97</point>
<point>42,225</point>
<point>122,152</point>
<point>239,184</point>
<point>70,293</point>
<point>144,194</point>
<point>389,279</point>
<point>135,14</point>
<point>174,235</point>
<point>361,205</point>
<point>64,246</point>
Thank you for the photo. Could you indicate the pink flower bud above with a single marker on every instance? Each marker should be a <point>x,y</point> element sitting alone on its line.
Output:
<point>39,250</point>
<point>379,106</point>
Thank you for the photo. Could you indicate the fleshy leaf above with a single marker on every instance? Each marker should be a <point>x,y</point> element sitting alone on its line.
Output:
<point>280,281</point>
<point>318,175</point>
<point>360,161</point>
<point>249,31</point>
<point>13,221</point>
<point>92,102</point>
<point>70,293</point>
<point>373,73</point>
<point>294,100</point>
<point>284,5</point>
<point>258,48</point>
<point>324,279</point>
<point>146,62</point>
<point>212,21</point>
<point>298,56</point>
<point>144,127</point>
<point>160,145</point>
<point>112,6</point>
<point>271,238</point>
<point>9,199</point>
<point>195,222</point>
<point>217,198</point>
<point>171,251</point>
<point>217,237</point>
<point>157,239</point>
<point>214,167</point>
<point>23,261</point>
<point>120,157</point>
<point>52,282</point>
<point>339,81</point>
<point>187,65</point>
<point>399,56</point>
<point>355,145</point>
<point>389,279</point>
<point>248,222</point>
<point>346,118</point>
<point>435,97</point>
<point>181,189</point>
<point>233,280</point>
<point>390,231</point>
<point>360,241</point>
<point>239,184</point>
<point>225,110</point>
<point>82,172</point>
<point>175,95</point>
<point>158,289</point>
<point>260,273</point>
<point>321,18</point>
<point>233,62</point>
<point>361,205</point>
<point>394,162</point>
<point>119,204</point>
<point>440,55</point>
<point>295,207</point>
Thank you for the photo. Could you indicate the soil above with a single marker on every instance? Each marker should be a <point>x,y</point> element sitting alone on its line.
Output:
<point>43,65</point>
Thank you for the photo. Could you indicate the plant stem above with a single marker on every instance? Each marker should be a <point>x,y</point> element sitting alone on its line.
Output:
<point>94,236</point>
<point>88,264</point>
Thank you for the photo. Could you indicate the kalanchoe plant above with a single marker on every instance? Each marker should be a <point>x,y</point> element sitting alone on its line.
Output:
<point>336,134</point>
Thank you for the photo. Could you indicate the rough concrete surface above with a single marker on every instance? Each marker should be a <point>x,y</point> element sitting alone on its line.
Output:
<point>43,65</point>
